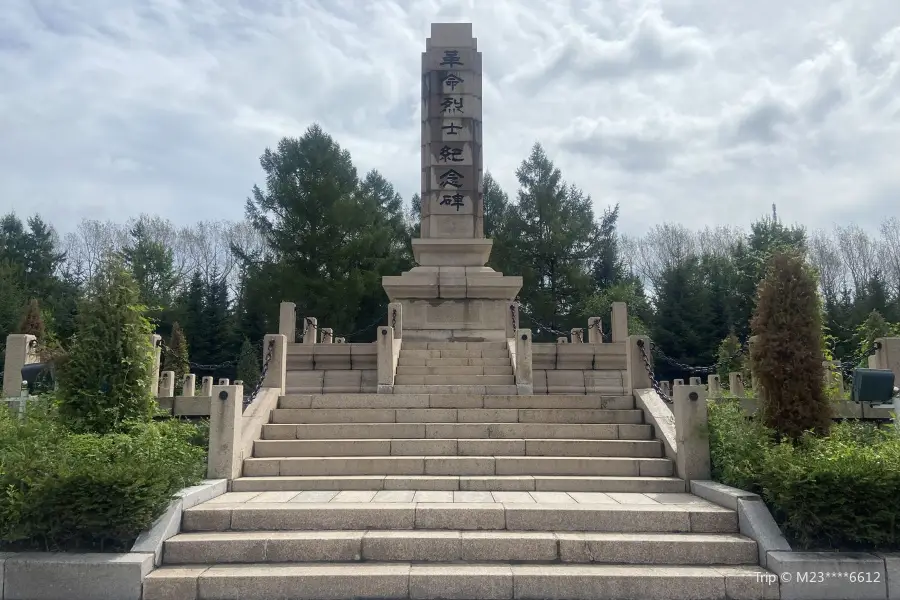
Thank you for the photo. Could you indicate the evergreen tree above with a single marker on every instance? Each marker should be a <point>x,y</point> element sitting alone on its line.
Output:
<point>730,358</point>
<point>105,380</point>
<point>682,327</point>
<point>176,355</point>
<point>552,239</point>
<point>216,323</point>
<point>33,321</point>
<point>191,305</point>
<point>875,326</point>
<point>152,264</point>
<point>248,369</point>
<point>608,267</point>
<point>787,354</point>
<point>331,235</point>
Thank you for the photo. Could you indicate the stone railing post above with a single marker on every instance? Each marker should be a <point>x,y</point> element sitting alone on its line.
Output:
<point>189,386</point>
<point>666,388</point>
<point>224,381</point>
<point>225,411</point>
<point>736,384</point>
<point>595,330</point>
<point>239,382</point>
<point>395,319</point>
<point>287,321</point>
<point>887,356</point>
<point>327,335</point>
<point>386,364</point>
<point>167,385</point>
<point>636,370</point>
<point>619,321</point>
<point>276,374</point>
<point>562,340</point>
<point>206,386</point>
<point>695,381</point>
<point>691,434</point>
<point>311,327</point>
<point>715,389</point>
<point>524,372</point>
<point>21,350</point>
<point>677,383</point>
<point>577,335</point>
<point>156,340</point>
<point>872,361</point>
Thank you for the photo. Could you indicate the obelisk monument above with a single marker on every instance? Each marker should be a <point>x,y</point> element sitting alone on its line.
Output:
<point>452,295</point>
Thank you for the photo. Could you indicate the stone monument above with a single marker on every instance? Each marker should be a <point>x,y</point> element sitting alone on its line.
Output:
<point>451,295</point>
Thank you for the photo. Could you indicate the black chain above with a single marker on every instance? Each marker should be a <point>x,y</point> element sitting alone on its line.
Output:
<point>394,318</point>
<point>512,315</point>
<point>198,366</point>
<point>248,400</point>
<point>579,333</point>
<point>649,367</point>
<point>369,326</point>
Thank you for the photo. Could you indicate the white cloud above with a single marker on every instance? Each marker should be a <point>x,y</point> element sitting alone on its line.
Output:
<point>695,110</point>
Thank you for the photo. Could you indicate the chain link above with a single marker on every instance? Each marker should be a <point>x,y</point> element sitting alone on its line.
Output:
<point>270,352</point>
<point>394,318</point>
<point>370,326</point>
<point>307,323</point>
<point>198,366</point>
<point>649,367</point>
<point>512,315</point>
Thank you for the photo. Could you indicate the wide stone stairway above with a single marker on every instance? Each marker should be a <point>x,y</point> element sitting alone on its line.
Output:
<point>466,495</point>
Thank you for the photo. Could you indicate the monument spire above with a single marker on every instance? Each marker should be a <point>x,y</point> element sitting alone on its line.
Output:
<point>451,294</point>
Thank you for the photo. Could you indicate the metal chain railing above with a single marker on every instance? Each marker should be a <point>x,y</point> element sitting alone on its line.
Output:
<point>374,323</point>
<point>649,367</point>
<point>197,366</point>
<point>270,352</point>
<point>307,323</point>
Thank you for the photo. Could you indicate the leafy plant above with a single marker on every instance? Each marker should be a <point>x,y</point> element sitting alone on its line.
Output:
<point>64,491</point>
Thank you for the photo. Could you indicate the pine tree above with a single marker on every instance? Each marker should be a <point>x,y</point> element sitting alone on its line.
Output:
<point>176,354</point>
<point>730,358</point>
<point>787,354</point>
<point>105,380</point>
<point>552,239</point>
<point>248,369</point>
<point>33,321</point>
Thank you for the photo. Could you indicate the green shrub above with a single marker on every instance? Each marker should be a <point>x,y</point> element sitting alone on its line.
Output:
<point>105,380</point>
<point>176,355</point>
<point>64,491</point>
<point>248,369</point>
<point>826,492</point>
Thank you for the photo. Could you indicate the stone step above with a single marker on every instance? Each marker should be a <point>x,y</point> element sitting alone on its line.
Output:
<point>453,362</point>
<point>598,431</point>
<point>506,483</point>
<point>457,447</point>
<point>454,401</point>
<point>404,370</point>
<point>454,415</point>
<point>452,546</point>
<point>457,465</point>
<point>455,380</point>
<point>491,390</point>
<point>400,580</point>
<point>414,345</point>
<point>604,517</point>
<point>457,353</point>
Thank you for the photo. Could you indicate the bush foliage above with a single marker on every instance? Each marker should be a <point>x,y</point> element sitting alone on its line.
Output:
<point>105,380</point>
<point>176,355</point>
<point>787,355</point>
<point>834,492</point>
<point>69,491</point>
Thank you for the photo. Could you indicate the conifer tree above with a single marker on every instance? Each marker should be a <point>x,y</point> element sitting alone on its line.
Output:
<point>105,380</point>
<point>787,354</point>
<point>33,321</point>
<point>176,357</point>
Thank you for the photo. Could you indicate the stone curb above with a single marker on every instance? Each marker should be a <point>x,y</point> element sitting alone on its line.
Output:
<point>806,575</point>
<point>99,576</point>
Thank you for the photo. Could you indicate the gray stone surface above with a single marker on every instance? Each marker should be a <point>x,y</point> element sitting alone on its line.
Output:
<point>487,582</point>
<point>756,522</point>
<point>172,583</point>
<point>811,575</point>
<point>720,493</point>
<point>892,573</point>
<point>58,576</point>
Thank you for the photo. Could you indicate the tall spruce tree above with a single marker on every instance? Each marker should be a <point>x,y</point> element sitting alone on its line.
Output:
<point>248,369</point>
<point>176,355</point>
<point>552,239</point>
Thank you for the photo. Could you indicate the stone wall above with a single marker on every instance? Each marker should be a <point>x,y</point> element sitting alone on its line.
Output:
<point>579,368</point>
<point>332,368</point>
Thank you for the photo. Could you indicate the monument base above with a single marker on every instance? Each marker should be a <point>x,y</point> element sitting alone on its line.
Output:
<point>453,303</point>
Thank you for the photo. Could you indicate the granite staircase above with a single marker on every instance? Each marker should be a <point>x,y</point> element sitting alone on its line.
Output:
<point>455,487</point>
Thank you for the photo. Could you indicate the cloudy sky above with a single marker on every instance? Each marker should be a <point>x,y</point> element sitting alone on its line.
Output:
<point>699,111</point>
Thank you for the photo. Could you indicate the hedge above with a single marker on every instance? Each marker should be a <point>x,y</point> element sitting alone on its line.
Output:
<point>62,491</point>
<point>833,492</point>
